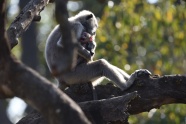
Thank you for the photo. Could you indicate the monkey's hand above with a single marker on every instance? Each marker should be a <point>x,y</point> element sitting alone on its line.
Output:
<point>84,52</point>
<point>136,74</point>
<point>87,42</point>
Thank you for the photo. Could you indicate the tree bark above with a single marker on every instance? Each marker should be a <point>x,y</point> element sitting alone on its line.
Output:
<point>114,105</point>
<point>19,80</point>
<point>23,20</point>
<point>153,92</point>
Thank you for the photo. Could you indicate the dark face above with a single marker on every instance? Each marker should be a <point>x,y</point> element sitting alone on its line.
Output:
<point>90,25</point>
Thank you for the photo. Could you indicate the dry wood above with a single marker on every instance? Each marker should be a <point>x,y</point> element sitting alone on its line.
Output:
<point>23,20</point>
<point>21,81</point>
<point>146,93</point>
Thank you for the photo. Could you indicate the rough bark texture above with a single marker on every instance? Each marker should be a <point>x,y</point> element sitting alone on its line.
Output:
<point>115,105</point>
<point>19,80</point>
<point>22,83</point>
<point>112,110</point>
<point>23,20</point>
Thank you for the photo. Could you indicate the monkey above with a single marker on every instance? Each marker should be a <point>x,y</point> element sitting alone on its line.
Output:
<point>90,70</point>
<point>88,43</point>
<point>78,23</point>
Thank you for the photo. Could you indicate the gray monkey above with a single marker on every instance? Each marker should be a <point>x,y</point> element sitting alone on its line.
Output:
<point>89,70</point>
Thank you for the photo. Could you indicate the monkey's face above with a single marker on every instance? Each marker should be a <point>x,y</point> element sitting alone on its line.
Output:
<point>90,25</point>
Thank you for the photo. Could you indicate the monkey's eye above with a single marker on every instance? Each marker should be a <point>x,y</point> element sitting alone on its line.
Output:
<point>94,33</point>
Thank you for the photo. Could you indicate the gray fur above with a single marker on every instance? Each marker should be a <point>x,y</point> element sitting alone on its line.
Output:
<point>89,70</point>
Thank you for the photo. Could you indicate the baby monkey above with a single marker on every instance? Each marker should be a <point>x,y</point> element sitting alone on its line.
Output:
<point>84,26</point>
<point>87,41</point>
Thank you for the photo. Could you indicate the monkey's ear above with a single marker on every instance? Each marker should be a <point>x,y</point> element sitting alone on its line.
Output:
<point>89,17</point>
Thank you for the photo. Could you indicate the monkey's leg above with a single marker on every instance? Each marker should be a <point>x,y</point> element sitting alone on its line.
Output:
<point>91,71</point>
<point>126,76</point>
<point>131,78</point>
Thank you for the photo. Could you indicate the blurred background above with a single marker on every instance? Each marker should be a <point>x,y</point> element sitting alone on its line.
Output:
<point>132,34</point>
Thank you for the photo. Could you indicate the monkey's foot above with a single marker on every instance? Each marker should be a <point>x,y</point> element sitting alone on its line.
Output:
<point>142,73</point>
<point>136,74</point>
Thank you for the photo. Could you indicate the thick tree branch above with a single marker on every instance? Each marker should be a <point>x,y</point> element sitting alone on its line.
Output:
<point>158,91</point>
<point>19,80</point>
<point>153,92</point>
<point>108,110</point>
<point>46,98</point>
<point>99,111</point>
<point>57,107</point>
<point>23,20</point>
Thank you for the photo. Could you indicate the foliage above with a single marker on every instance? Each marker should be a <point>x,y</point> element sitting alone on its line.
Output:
<point>135,34</point>
<point>144,35</point>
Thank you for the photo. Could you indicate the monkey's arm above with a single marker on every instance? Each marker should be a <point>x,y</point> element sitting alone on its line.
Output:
<point>88,42</point>
<point>81,50</point>
<point>56,35</point>
<point>78,29</point>
<point>84,52</point>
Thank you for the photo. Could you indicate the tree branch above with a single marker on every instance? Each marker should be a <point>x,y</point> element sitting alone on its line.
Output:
<point>158,91</point>
<point>51,102</point>
<point>23,20</point>
<point>19,80</point>
<point>153,92</point>
<point>108,110</point>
